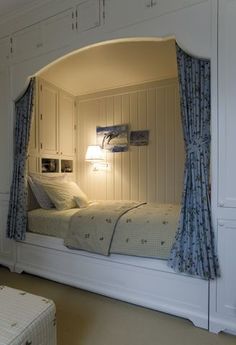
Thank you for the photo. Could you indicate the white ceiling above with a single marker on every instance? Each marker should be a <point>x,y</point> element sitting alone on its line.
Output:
<point>8,7</point>
<point>113,65</point>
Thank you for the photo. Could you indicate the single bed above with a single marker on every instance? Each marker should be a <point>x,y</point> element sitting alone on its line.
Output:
<point>145,281</point>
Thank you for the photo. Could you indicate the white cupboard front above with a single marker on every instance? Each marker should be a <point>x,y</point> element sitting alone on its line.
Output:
<point>66,124</point>
<point>48,119</point>
<point>227,104</point>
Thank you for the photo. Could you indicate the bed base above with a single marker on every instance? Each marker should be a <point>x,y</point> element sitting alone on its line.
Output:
<point>141,281</point>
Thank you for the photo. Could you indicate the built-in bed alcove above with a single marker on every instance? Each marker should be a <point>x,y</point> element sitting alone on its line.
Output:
<point>125,82</point>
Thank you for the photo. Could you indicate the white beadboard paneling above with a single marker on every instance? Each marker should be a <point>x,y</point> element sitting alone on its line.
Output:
<point>153,172</point>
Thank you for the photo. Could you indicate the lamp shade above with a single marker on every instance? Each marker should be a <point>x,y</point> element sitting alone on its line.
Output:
<point>94,153</point>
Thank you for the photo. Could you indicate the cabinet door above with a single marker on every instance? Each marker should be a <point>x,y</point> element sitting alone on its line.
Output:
<point>66,124</point>
<point>6,141</point>
<point>57,31</point>
<point>88,15</point>
<point>48,118</point>
<point>26,43</point>
<point>223,290</point>
<point>4,50</point>
<point>128,12</point>
<point>125,12</point>
<point>7,246</point>
<point>227,103</point>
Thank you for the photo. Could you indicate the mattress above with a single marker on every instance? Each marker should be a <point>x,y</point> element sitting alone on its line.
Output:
<point>26,318</point>
<point>50,222</point>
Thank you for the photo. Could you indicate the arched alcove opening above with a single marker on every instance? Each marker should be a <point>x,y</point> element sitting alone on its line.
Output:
<point>129,82</point>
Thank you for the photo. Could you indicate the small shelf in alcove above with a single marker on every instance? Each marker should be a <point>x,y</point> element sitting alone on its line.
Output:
<point>50,165</point>
<point>66,166</point>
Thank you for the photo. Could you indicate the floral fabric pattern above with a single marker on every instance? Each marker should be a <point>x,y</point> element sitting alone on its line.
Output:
<point>17,212</point>
<point>193,251</point>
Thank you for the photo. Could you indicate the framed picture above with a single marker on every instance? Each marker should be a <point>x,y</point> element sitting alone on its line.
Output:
<point>139,138</point>
<point>113,138</point>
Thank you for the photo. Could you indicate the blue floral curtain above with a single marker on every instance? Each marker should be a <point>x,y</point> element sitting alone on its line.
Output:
<point>193,251</point>
<point>17,213</point>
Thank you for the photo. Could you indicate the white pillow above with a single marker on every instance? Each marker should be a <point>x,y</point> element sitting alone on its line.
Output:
<point>65,195</point>
<point>36,183</point>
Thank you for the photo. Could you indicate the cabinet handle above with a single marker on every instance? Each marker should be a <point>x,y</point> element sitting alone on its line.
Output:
<point>221,204</point>
<point>61,153</point>
<point>57,152</point>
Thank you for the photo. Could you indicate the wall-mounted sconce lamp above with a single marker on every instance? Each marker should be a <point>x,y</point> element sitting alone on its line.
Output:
<point>94,155</point>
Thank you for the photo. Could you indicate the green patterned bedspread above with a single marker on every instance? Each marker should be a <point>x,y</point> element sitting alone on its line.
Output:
<point>124,227</point>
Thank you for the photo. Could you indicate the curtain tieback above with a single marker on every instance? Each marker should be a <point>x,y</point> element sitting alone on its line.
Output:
<point>197,145</point>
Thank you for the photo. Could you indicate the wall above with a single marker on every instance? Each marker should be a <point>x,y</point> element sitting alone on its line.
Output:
<point>152,172</point>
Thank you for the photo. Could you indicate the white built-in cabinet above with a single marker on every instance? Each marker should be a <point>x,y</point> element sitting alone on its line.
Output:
<point>127,12</point>
<point>53,128</point>
<point>4,50</point>
<point>67,127</point>
<point>56,32</point>
<point>227,103</point>
<point>48,119</point>
<point>223,290</point>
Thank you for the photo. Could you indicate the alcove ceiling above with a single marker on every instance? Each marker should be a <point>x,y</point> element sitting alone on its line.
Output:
<point>113,65</point>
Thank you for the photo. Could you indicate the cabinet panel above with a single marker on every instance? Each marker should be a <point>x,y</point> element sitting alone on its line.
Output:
<point>27,43</point>
<point>48,115</point>
<point>66,124</point>
<point>226,285</point>
<point>7,246</point>
<point>57,31</point>
<point>88,15</point>
<point>4,50</point>
<point>6,141</point>
<point>127,12</point>
<point>227,103</point>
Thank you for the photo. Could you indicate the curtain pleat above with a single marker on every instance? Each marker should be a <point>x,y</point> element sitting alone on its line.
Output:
<point>17,212</point>
<point>193,251</point>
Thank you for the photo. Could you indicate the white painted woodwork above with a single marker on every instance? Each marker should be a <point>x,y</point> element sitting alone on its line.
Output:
<point>26,43</point>
<point>227,104</point>
<point>87,15</point>
<point>66,124</point>
<point>153,172</point>
<point>142,281</point>
<point>57,31</point>
<point>7,246</point>
<point>223,299</point>
<point>127,12</point>
<point>4,50</point>
<point>48,118</point>
<point>6,131</point>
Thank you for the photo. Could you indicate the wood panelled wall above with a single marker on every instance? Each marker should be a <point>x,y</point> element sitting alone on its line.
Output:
<point>151,173</point>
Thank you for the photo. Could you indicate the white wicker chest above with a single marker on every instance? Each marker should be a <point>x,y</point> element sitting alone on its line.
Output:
<point>26,319</point>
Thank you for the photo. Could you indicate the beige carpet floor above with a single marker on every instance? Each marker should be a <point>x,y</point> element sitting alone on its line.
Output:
<point>85,318</point>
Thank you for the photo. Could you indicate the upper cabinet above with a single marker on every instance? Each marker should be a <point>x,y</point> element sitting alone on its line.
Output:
<point>227,103</point>
<point>48,119</point>
<point>4,50</point>
<point>66,124</point>
<point>56,124</point>
<point>55,32</point>
<point>88,14</point>
<point>127,12</point>
<point>26,43</point>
